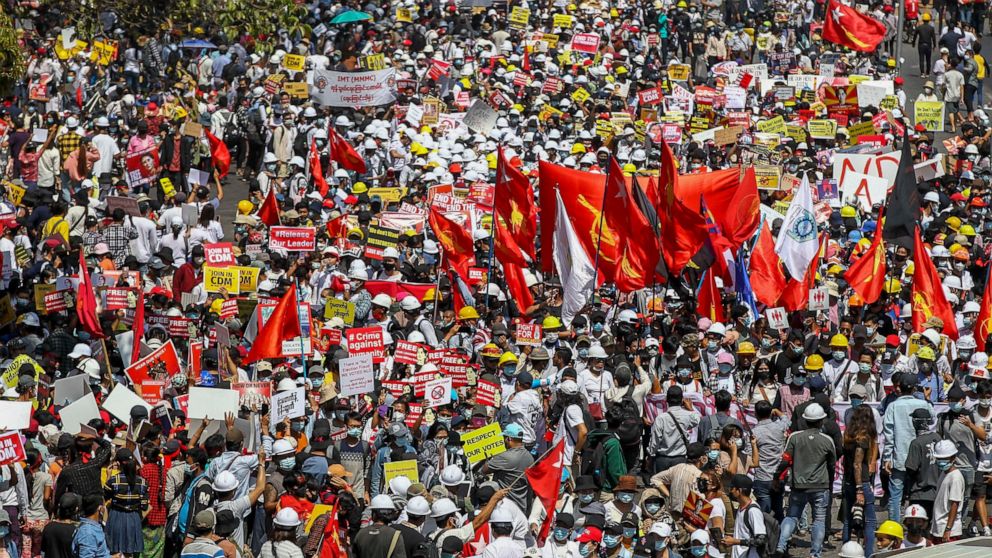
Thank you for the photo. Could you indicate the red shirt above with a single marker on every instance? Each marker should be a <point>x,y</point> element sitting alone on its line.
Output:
<point>155,479</point>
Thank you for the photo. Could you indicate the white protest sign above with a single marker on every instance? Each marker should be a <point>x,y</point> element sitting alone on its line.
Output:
<point>867,189</point>
<point>480,118</point>
<point>15,415</point>
<point>736,97</point>
<point>356,375</point>
<point>870,95</point>
<point>849,170</point>
<point>120,402</point>
<point>72,388</point>
<point>288,404</point>
<point>778,318</point>
<point>819,299</point>
<point>353,89</point>
<point>212,403</point>
<point>79,412</point>
<point>437,392</point>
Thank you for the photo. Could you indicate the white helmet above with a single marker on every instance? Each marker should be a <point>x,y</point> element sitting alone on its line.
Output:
<point>971,306</point>
<point>627,316</point>
<point>442,507</point>
<point>309,112</point>
<point>717,329</point>
<point>597,351</point>
<point>382,502</point>
<point>415,337</point>
<point>382,299</point>
<point>452,475</point>
<point>418,506</point>
<point>851,549</point>
<point>225,482</point>
<point>287,517</point>
<point>410,303</point>
<point>952,282</point>
<point>283,446</point>
<point>501,515</point>
<point>967,342</point>
<point>399,485</point>
<point>286,384</point>
<point>932,336</point>
<point>297,161</point>
<point>916,511</point>
<point>971,149</point>
<point>270,157</point>
<point>342,121</point>
<point>391,253</point>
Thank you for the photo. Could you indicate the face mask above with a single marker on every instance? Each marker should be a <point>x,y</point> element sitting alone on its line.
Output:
<point>864,367</point>
<point>957,407</point>
<point>713,455</point>
<point>597,327</point>
<point>585,549</point>
<point>798,381</point>
<point>270,167</point>
<point>354,432</point>
<point>965,354</point>
<point>188,468</point>
<point>550,338</point>
<point>444,420</point>
<point>739,442</point>
<point>297,427</point>
<point>839,355</point>
<point>340,414</point>
<point>630,532</point>
<point>580,331</point>
<point>403,441</point>
<point>943,464</point>
<point>684,373</point>
<point>287,463</point>
<point>985,402</point>
<point>870,331</point>
<point>652,508</point>
<point>702,485</point>
<point>796,349</point>
<point>625,497</point>
<point>855,403</point>
<point>561,534</point>
<point>698,551</point>
<point>4,531</point>
<point>660,545</point>
<point>398,417</point>
<point>583,353</point>
<point>916,529</point>
<point>585,498</point>
<point>711,346</point>
<point>766,343</point>
<point>726,368</point>
<point>611,541</point>
<point>509,371</point>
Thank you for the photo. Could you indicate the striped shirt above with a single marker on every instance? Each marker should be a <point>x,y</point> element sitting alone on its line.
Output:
<point>202,547</point>
<point>125,497</point>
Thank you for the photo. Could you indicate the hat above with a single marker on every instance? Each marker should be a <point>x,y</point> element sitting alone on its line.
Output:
<point>513,430</point>
<point>858,391</point>
<point>945,449</point>
<point>590,534</point>
<point>337,470</point>
<point>540,353</point>
<point>205,519</point>
<point>585,482</point>
<point>235,436</point>
<point>741,481</point>
<point>568,387</point>
<point>814,412</point>
<point>626,483</point>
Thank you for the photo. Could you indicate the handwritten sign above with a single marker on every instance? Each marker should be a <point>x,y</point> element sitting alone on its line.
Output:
<point>483,443</point>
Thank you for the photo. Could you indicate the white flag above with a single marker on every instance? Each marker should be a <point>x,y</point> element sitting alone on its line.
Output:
<point>577,273</point>
<point>797,240</point>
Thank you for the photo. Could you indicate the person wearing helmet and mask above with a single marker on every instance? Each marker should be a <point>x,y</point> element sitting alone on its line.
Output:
<point>930,382</point>
<point>952,494</point>
<point>268,177</point>
<point>839,366</point>
<point>416,322</point>
<point>595,380</point>
<point>465,336</point>
<point>297,179</point>
<point>390,265</point>
<point>379,539</point>
<point>915,523</point>
<point>450,523</point>
<point>964,429</point>
<point>922,475</point>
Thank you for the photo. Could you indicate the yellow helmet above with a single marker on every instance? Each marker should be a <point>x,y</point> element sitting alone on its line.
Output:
<point>518,107</point>
<point>835,269</point>
<point>428,296</point>
<point>551,322</point>
<point>245,207</point>
<point>468,313</point>
<point>838,341</point>
<point>890,528</point>
<point>967,230</point>
<point>682,4</point>
<point>629,168</point>
<point>855,300</point>
<point>216,306</point>
<point>893,286</point>
<point>746,348</point>
<point>848,212</point>
<point>926,353</point>
<point>910,269</point>
<point>490,350</point>
<point>508,357</point>
<point>814,362</point>
<point>954,222</point>
<point>359,188</point>
<point>926,16</point>
<point>578,148</point>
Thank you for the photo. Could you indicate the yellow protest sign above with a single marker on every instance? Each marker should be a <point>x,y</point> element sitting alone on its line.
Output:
<point>373,61</point>
<point>519,17</point>
<point>580,95</point>
<point>860,129</point>
<point>403,15</point>
<point>483,443</point>
<point>856,79</point>
<point>407,468</point>
<point>822,129</point>
<point>797,133</point>
<point>103,53</point>
<point>12,372</point>
<point>604,129</point>
<point>248,278</point>
<point>678,72</point>
<point>767,177</point>
<point>294,62</point>
<point>388,195</point>
<point>40,291</point>
<point>889,102</point>
<point>15,193</point>
<point>64,54</point>
<point>930,114</point>
<point>217,278</point>
<point>317,511</point>
<point>564,21</point>
<point>772,126</point>
<point>336,308</point>
<point>550,39</point>
<point>297,89</point>
<point>167,187</point>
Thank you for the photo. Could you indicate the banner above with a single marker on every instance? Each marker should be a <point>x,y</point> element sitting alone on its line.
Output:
<point>353,89</point>
<point>293,239</point>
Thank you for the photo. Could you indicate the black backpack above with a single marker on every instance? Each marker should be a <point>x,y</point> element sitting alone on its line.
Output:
<point>591,461</point>
<point>772,530</point>
<point>631,429</point>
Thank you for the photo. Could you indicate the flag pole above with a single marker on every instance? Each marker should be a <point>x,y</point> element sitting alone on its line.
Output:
<point>602,217</point>
<point>437,285</point>
<point>492,220</point>
<point>303,355</point>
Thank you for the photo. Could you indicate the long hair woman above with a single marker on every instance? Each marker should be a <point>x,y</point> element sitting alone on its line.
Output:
<point>860,464</point>
<point>127,493</point>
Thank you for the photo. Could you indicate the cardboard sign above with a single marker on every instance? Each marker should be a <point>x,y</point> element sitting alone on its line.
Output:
<point>930,114</point>
<point>437,392</point>
<point>253,394</point>
<point>217,278</point>
<point>678,72</point>
<point>294,62</point>
<point>778,318</point>
<point>163,360</point>
<point>487,393</point>
<point>727,136</point>
<point>120,402</point>
<point>407,468</point>
<point>483,443</point>
<point>819,299</point>
<point>15,415</point>
<point>356,375</point>
<point>220,254</point>
<point>129,205</point>
<point>151,390</point>
<point>70,389</point>
<point>293,239</point>
<point>247,279</point>
<point>378,239</point>
<point>297,89</point>
<point>79,412</point>
<point>585,42</point>
<point>529,334</point>
<point>409,353</point>
<point>822,129</point>
<point>366,340</point>
<point>337,308</point>
<point>288,405</point>
<point>480,118</point>
<point>11,448</point>
<point>212,403</point>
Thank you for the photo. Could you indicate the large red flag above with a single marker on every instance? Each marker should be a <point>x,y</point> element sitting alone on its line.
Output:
<point>709,300</point>
<point>731,199</point>
<point>681,236</point>
<point>455,240</point>
<point>343,153</point>
<point>86,302</point>
<point>316,171</point>
<point>282,325</point>
<point>219,154</point>
<point>795,297</point>
<point>638,244</point>
<point>514,205</point>
<point>850,28</point>
<point>582,195</point>
<point>668,178</point>
<point>545,478</point>
<point>269,212</point>
<point>767,276</point>
<point>983,327</point>
<point>138,327</point>
<point>928,294</point>
<point>867,274</point>
<point>517,285</point>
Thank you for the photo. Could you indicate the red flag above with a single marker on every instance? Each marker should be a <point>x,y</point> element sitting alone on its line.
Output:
<point>331,547</point>
<point>315,170</point>
<point>795,297</point>
<point>545,478</point>
<point>79,96</point>
<point>338,226</point>
<point>282,325</point>
<point>867,274</point>
<point>219,154</point>
<point>732,201</point>
<point>638,246</point>
<point>514,205</point>
<point>455,240</point>
<point>344,154</point>
<point>767,276</point>
<point>983,327</point>
<point>852,29</point>
<point>138,327</point>
<point>517,285</point>
<point>681,236</point>
<point>86,302</point>
<point>709,300</point>
<point>667,181</point>
<point>269,212</point>
<point>928,293</point>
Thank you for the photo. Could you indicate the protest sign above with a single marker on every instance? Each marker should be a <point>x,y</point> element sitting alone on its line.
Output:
<point>212,403</point>
<point>163,360</point>
<point>142,168</point>
<point>253,394</point>
<point>79,412</point>
<point>366,340</point>
<point>291,347</point>
<point>356,375</point>
<point>288,404</point>
<point>11,448</point>
<point>696,510</point>
<point>378,239</point>
<point>409,353</point>
<point>930,114</point>
<point>437,392</point>
<point>70,389</point>
<point>529,334</point>
<point>585,42</point>
<point>406,468</point>
<point>777,318</point>
<point>129,205</point>
<point>293,239</point>
<point>480,118</point>
<point>487,393</point>
<point>335,307</point>
<point>151,390</point>
<point>15,415</point>
<point>120,402</point>
<point>483,443</point>
<point>822,129</point>
<point>294,62</point>
<point>217,278</point>
<point>353,89</point>
<point>219,254</point>
<point>247,279</point>
<point>819,299</point>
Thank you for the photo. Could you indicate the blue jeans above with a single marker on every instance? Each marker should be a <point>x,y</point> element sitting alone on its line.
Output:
<point>818,501</point>
<point>850,494</point>
<point>768,500</point>
<point>897,482</point>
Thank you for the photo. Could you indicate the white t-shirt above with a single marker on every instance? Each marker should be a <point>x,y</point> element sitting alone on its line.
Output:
<point>594,387</point>
<point>568,429</point>
<point>719,510</point>
<point>757,522</point>
<point>951,489</point>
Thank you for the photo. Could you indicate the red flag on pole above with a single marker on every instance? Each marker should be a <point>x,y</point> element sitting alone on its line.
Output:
<point>767,276</point>
<point>138,327</point>
<point>86,302</point>
<point>983,327</point>
<point>316,171</point>
<point>219,154</point>
<point>848,27</point>
<point>455,240</point>
<point>928,293</point>
<point>269,212</point>
<point>514,205</point>
<point>639,247</point>
<point>344,154</point>
<point>545,478</point>
<point>282,325</point>
<point>795,297</point>
<point>867,274</point>
<point>709,300</point>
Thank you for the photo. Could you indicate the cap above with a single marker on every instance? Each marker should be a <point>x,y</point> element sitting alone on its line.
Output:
<point>741,481</point>
<point>205,519</point>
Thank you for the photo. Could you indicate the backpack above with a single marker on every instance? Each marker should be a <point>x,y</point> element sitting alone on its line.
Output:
<point>185,515</point>
<point>631,428</point>
<point>772,529</point>
<point>300,145</point>
<point>591,461</point>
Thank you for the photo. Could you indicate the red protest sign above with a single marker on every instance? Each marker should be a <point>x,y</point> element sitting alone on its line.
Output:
<point>163,359</point>
<point>118,298</point>
<point>420,382</point>
<point>11,448</point>
<point>476,275</point>
<point>195,355</point>
<point>409,353</point>
<point>220,254</point>
<point>396,388</point>
<point>229,309</point>
<point>415,410</point>
<point>529,334</point>
<point>487,393</point>
<point>253,394</point>
<point>457,370</point>
<point>180,327</point>
<point>585,42</point>
<point>293,239</point>
<point>151,391</point>
<point>482,193</point>
<point>182,403</point>
<point>59,301</point>
<point>333,336</point>
<point>649,97</point>
<point>366,340</point>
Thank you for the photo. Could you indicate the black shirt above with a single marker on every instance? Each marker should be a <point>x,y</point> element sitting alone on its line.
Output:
<point>56,539</point>
<point>412,539</point>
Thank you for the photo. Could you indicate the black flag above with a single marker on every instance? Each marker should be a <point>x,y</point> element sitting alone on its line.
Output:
<point>902,212</point>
